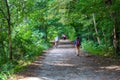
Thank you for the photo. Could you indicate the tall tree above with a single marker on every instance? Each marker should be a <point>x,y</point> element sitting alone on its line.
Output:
<point>9,28</point>
<point>116,31</point>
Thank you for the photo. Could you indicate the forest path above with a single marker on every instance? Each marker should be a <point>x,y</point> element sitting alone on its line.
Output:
<point>62,64</point>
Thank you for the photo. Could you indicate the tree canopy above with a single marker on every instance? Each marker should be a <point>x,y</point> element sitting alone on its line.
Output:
<point>27,26</point>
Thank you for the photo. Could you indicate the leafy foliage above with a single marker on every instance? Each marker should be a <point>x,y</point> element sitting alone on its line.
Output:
<point>33,23</point>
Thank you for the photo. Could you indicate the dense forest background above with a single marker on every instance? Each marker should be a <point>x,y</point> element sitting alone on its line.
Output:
<point>27,26</point>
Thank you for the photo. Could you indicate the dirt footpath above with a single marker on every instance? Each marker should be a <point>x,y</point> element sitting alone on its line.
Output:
<point>62,64</point>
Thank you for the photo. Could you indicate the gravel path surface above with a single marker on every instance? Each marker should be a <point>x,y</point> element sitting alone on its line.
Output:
<point>62,64</point>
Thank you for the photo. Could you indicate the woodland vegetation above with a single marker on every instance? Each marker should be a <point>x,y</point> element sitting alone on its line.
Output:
<point>27,26</point>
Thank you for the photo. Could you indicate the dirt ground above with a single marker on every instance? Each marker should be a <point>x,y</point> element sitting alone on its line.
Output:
<point>62,64</point>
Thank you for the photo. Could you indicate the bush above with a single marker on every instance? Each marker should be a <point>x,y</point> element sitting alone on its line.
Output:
<point>93,48</point>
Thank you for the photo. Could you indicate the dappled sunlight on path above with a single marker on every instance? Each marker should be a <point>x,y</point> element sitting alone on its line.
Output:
<point>62,64</point>
<point>36,78</point>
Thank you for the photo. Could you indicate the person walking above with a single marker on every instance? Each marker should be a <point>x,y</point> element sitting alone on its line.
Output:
<point>64,36</point>
<point>77,46</point>
<point>56,42</point>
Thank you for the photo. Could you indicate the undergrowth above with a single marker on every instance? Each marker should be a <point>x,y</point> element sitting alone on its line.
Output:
<point>9,68</point>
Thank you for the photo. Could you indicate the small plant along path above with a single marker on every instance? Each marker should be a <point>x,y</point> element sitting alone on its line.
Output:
<point>62,64</point>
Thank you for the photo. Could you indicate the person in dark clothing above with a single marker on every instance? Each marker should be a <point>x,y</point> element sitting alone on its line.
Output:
<point>64,36</point>
<point>77,46</point>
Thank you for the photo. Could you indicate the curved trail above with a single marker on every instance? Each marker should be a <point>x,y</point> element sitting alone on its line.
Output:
<point>62,64</point>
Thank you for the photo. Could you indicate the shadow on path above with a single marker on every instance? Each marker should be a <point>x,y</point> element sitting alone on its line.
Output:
<point>62,64</point>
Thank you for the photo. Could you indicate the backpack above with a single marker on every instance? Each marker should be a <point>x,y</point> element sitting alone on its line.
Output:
<point>77,43</point>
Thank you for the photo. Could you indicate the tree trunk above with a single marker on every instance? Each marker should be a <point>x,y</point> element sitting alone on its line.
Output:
<point>94,21</point>
<point>9,29</point>
<point>116,38</point>
<point>46,33</point>
<point>116,33</point>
